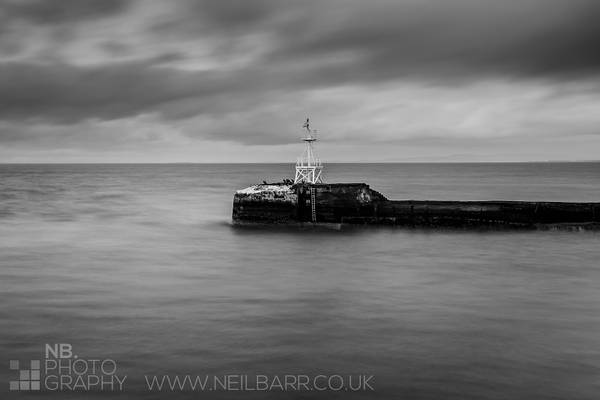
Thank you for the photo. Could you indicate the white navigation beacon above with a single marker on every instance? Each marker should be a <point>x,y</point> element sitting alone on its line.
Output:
<point>308,167</point>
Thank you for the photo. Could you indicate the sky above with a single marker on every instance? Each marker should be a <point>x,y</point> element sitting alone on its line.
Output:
<point>234,80</point>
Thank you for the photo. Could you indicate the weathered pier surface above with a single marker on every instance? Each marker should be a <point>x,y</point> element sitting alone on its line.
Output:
<point>357,203</point>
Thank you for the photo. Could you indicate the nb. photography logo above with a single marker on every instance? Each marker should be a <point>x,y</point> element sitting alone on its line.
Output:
<point>62,370</point>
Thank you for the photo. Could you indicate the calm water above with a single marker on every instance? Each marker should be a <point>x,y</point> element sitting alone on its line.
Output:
<point>138,263</point>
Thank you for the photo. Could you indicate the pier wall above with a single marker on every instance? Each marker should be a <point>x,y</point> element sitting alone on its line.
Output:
<point>357,203</point>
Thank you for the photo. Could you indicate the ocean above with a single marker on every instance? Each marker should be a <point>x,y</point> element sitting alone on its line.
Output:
<point>140,264</point>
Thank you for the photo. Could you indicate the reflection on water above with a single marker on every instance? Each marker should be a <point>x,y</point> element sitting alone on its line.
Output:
<point>139,263</point>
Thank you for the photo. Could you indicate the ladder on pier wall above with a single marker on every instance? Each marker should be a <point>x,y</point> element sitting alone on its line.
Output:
<point>313,204</point>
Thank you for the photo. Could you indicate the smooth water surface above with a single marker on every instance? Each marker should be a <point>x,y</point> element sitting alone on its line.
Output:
<point>139,263</point>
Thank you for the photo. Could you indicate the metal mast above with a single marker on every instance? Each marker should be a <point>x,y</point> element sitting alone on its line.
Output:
<point>308,167</point>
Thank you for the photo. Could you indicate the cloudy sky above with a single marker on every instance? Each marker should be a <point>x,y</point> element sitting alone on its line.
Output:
<point>233,80</point>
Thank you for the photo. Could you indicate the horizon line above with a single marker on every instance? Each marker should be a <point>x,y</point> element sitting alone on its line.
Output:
<point>292,163</point>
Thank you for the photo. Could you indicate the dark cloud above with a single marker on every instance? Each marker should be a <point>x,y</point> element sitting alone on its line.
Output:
<point>20,20</point>
<point>115,48</point>
<point>52,12</point>
<point>212,17</point>
<point>67,93</point>
<point>389,39</point>
<point>234,14</point>
<point>234,61</point>
<point>446,39</point>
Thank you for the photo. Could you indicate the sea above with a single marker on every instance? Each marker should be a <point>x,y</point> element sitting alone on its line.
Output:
<point>139,266</point>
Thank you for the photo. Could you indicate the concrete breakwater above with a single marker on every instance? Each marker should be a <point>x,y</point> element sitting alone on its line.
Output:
<point>357,203</point>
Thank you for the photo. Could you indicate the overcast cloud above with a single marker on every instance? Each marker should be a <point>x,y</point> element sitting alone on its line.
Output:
<point>382,80</point>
